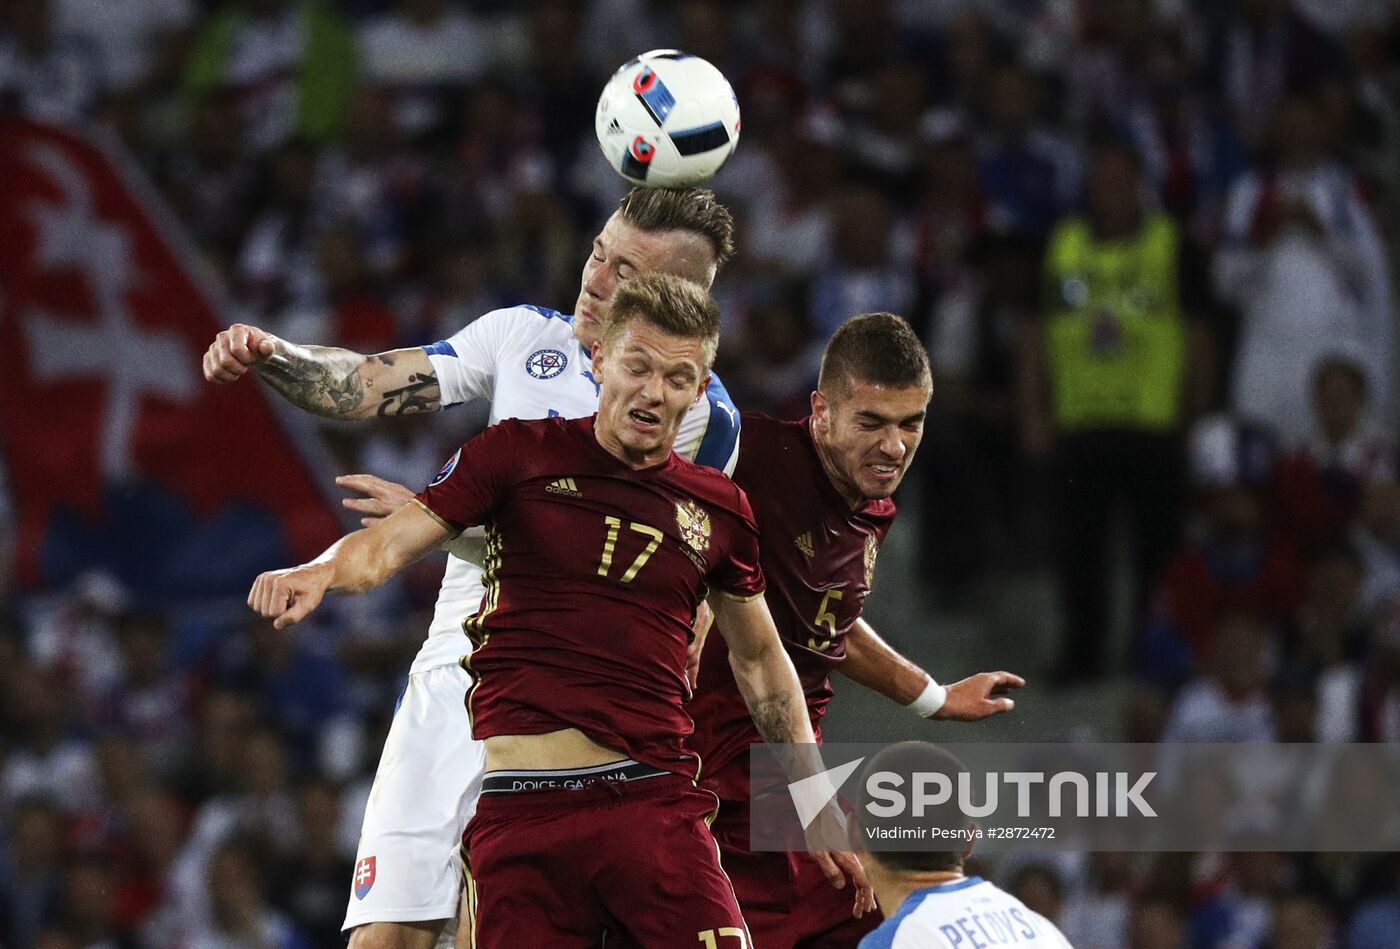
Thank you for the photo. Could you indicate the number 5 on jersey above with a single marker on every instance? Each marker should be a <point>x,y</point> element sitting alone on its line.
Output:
<point>825,617</point>
<point>609,545</point>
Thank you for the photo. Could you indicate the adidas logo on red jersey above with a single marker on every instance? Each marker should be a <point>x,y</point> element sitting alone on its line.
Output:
<point>564,486</point>
<point>804,544</point>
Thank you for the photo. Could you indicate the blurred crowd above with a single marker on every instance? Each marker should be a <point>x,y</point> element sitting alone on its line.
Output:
<point>1150,244</point>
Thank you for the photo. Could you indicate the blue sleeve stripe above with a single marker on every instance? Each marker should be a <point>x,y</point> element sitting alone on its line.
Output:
<point>882,937</point>
<point>441,348</point>
<point>721,431</point>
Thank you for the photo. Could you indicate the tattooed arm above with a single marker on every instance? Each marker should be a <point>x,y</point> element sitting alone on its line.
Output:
<point>770,686</point>
<point>333,383</point>
<point>762,669</point>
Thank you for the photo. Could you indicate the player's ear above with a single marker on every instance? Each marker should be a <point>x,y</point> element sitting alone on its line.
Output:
<point>971,839</point>
<point>821,409</point>
<point>598,359</point>
<point>704,384</point>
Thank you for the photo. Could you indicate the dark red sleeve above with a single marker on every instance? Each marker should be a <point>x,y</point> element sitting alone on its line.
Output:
<point>474,480</point>
<point>739,574</point>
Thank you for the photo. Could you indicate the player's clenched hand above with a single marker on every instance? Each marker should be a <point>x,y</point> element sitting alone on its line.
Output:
<point>979,696</point>
<point>382,497</point>
<point>235,351</point>
<point>287,596</point>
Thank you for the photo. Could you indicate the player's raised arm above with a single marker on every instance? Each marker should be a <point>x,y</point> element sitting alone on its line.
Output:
<point>326,381</point>
<point>357,562</point>
<point>874,664</point>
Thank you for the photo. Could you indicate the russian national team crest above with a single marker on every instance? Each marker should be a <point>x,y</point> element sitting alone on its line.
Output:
<point>546,363</point>
<point>446,469</point>
<point>364,877</point>
<point>872,548</point>
<point>694,524</point>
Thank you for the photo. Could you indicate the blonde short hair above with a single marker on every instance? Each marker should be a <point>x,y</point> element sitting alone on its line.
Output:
<point>672,304</point>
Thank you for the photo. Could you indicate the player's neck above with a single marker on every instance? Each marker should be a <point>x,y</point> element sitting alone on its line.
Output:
<point>893,892</point>
<point>635,460</point>
<point>848,491</point>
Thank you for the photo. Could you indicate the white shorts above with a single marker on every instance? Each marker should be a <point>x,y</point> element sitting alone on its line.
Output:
<point>408,865</point>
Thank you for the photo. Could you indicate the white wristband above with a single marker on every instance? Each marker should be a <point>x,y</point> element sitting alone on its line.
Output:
<point>930,700</point>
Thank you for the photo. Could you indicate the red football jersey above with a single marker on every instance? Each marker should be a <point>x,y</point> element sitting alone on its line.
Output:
<point>593,574</point>
<point>819,558</point>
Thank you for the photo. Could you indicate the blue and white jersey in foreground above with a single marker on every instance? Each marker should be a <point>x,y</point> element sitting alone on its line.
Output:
<point>526,362</point>
<point>964,914</point>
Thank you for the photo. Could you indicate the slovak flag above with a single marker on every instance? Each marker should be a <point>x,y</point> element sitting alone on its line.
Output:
<point>116,453</point>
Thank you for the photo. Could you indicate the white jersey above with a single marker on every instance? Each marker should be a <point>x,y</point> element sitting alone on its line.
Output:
<point>961,915</point>
<point>526,361</point>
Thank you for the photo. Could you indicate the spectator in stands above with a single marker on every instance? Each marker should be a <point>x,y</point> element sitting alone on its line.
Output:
<point>416,53</point>
<point>1302,260</point>
<point>1233,561</point>
<point>292,684</point>
<point>1370,709</point>
<point>275,277</point>
<point>1041,888</point>
<point>1029,175</point>
<point>1331,626</point>
<point>31,871</point>
<point>975,492</point>
<point>1261,51</point>
<point>1156,923</point>
<point>777,368</point>
<point>290,63</point>
<point>1376,539</point>
<point>1321,482</point>
<point>1376,922</point>
<point>151,703</point>
<point>210,182</point>
<point>1234,906</point>
<point>76,636</point>
<point>1190,156</point>
<point>309,885</point>
<point>89,913</point>
<point>371,181</point>
<point>46,73</point>
<point>862,275</point>
<point>1096,915</point>
<point>1373,138</point>
<point>1109,380</point>
<point>48,756</point>
<point>1230,702</point>
<point>884,142</point>
<point>130,38</point>
<point>791,223</point>
<point>1301,921</point>
<point>240,914</point>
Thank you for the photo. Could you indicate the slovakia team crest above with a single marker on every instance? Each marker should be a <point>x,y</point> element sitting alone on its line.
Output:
<point>546,363</point>
<point>364,877</point>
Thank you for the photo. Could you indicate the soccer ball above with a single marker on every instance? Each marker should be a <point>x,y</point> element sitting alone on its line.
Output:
<point>667,119</point>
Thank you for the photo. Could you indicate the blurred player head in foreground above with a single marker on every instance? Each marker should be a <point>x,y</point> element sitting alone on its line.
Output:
<point>680,231</point>
<point>652,364</point>
<point>869,408</point>
<point>905,759</point>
